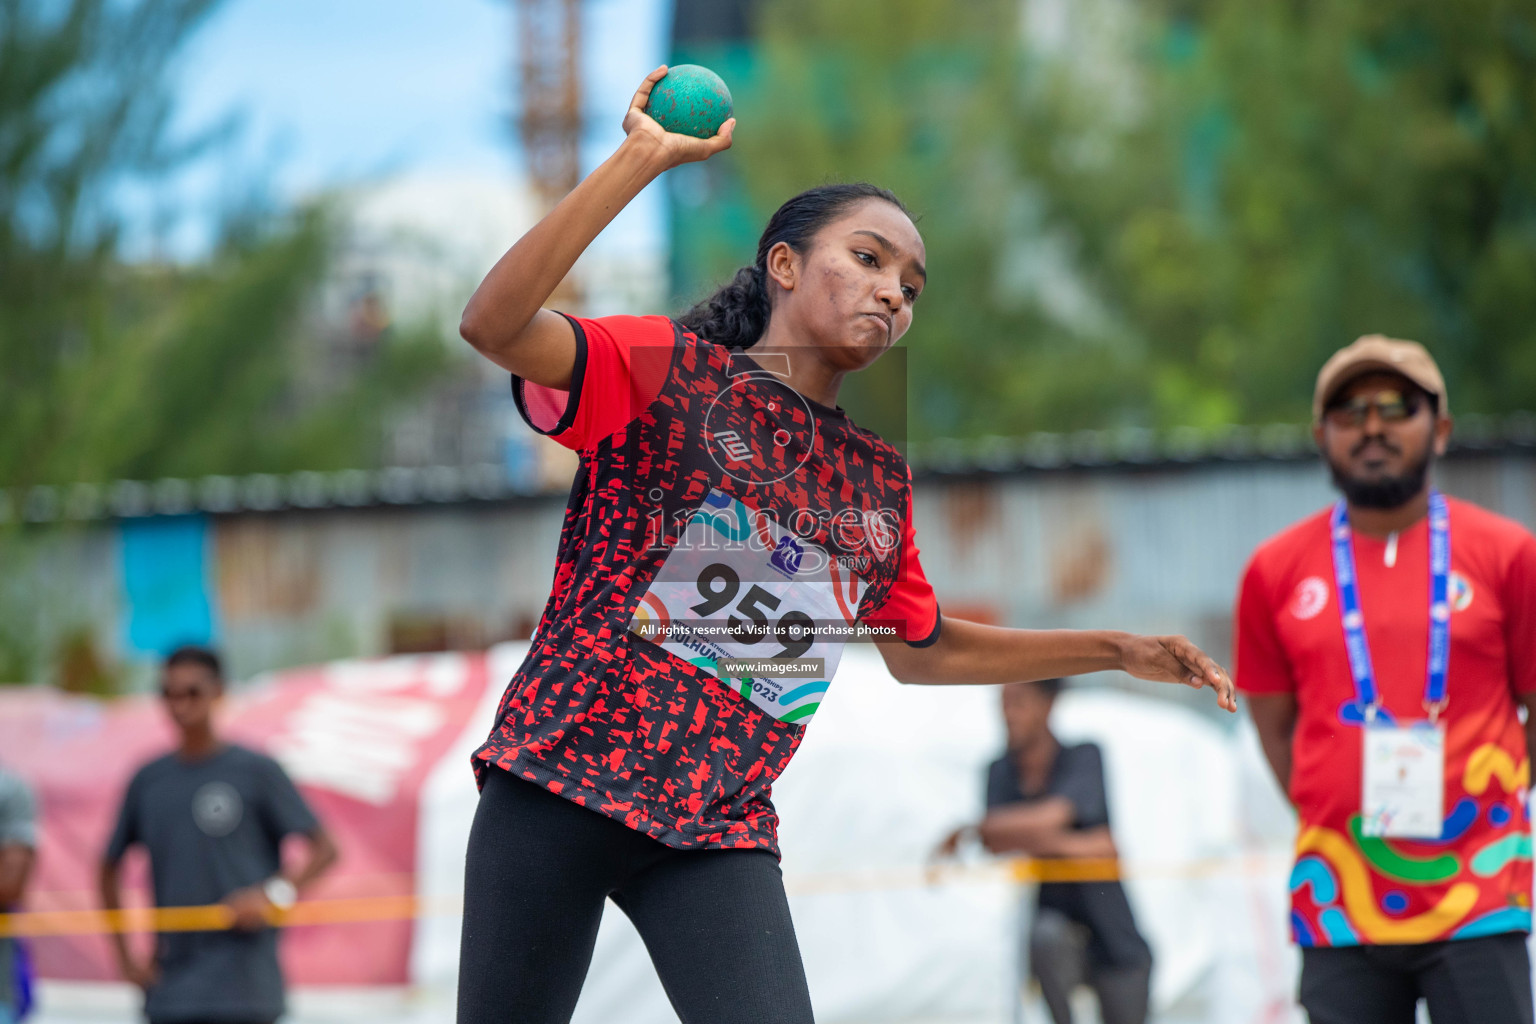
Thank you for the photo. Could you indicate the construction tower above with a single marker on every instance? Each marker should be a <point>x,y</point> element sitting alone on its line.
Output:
<point>549,74</point>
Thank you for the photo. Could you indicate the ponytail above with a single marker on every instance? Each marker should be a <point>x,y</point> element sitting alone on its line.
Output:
<point>737,315</point>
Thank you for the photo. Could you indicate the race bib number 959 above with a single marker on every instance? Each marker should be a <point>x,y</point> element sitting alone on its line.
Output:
<point>738,586</point>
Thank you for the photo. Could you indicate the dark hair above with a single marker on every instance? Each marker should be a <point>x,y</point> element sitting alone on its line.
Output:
<point>737,314</point>
<point>192,654</point>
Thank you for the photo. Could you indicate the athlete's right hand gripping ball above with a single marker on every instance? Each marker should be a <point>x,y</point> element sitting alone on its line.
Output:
<point>690,100</point>
<point>682,140</point>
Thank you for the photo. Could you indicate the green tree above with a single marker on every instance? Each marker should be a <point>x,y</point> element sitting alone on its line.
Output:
<point>1176,222</point>
<point>922,98</point>
<point>118,368</point>
<point>115,368</point>
<point>1288,176</point>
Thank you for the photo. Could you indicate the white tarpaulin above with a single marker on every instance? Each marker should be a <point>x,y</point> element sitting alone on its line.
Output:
<point>884,773</point>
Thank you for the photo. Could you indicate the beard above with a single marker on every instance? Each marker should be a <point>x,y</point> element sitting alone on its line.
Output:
<point>1383,492</point>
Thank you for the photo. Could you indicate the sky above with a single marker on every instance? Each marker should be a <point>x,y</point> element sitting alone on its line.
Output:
<point>332,93</point>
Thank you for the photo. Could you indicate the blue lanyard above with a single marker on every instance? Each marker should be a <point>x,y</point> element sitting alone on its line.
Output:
<point>1366,695</point>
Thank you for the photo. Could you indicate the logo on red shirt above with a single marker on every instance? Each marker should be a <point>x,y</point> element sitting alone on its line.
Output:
<point>1311,597</point>
<point>1461,592</point>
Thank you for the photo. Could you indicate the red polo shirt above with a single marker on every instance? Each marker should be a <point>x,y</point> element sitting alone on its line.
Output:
<point>1476,878</point>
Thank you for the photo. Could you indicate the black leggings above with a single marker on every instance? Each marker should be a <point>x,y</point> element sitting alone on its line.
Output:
<point>539,868</point>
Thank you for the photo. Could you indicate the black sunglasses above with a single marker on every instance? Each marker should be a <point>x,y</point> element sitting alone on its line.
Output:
<point>186,693</point>
<point>1392,406</point>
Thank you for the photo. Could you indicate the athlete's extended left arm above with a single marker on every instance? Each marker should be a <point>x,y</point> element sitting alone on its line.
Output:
<point>969,652</point>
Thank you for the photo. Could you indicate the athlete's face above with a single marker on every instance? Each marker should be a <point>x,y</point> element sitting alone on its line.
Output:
<point>190,693</point>
<point>1026,712</point>
<point>850,293</point>
<point>1378,436</point>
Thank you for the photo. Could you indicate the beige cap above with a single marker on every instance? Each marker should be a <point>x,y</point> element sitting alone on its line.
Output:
<point>1378,352</point>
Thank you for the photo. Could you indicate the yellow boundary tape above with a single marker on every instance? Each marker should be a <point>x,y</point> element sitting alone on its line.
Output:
<point>214,917</point>
<point>363,909</point>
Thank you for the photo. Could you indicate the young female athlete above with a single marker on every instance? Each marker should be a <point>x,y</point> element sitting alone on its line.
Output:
<point>724,506</point>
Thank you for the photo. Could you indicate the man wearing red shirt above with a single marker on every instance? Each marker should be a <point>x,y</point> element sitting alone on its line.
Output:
<point>1385,645</point>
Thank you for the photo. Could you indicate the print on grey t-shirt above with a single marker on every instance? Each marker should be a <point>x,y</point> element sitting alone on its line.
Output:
<point>217,807</point>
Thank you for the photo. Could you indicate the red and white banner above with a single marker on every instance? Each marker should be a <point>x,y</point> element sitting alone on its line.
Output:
<point>360,738</point>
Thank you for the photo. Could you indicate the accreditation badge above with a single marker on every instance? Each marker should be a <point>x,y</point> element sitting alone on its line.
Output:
<point>1403,793</point>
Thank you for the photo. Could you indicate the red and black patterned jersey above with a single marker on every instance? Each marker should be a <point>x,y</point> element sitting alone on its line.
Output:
<point>711,492</point>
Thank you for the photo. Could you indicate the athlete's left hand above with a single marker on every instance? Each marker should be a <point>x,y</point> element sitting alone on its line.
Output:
<point>1174,659</point>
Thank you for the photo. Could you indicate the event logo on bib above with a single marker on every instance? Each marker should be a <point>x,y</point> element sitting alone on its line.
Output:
<point>216,808</point>
<point>1311,597</point>
<point>786,558</point>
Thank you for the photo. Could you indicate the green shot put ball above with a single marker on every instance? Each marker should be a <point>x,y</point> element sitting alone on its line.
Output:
<point>690,100</point>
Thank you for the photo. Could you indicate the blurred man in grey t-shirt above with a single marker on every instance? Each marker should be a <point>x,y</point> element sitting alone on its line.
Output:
<point>18,846</point>
<point>212,816</point>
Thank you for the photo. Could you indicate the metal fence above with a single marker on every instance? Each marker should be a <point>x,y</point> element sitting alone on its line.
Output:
<point>1130,531</point>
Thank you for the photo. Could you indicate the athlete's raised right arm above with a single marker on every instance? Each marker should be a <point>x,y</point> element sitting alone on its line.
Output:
<point>504,319</point>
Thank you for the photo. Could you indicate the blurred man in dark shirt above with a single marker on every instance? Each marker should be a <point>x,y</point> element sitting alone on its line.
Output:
<point>1047,801</point>
<point>212,816</point>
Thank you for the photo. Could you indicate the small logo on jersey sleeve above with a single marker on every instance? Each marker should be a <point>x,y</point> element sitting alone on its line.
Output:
<point>883,530</point>
<point>1311,598</point>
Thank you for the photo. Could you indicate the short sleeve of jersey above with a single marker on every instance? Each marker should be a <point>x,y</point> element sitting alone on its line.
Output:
<point>1519,601</point>
<point>284,811</point>
<point>126,832</point>
<point>1261,666</point>
<point>911,609</point>
<point>621,362</point>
